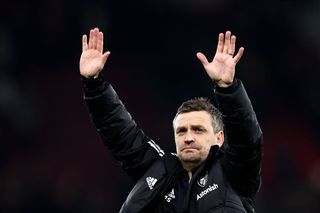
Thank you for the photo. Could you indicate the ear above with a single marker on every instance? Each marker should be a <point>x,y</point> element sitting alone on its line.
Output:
<point>219,138</point>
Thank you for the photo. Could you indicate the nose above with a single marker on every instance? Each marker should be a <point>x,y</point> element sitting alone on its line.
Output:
<point>189,138</point>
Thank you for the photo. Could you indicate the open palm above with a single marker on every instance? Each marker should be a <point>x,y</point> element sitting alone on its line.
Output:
<point>92,59</point>
<point>222,68</point>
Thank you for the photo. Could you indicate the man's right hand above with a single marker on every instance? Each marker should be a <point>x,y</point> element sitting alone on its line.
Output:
<point>92,59</point>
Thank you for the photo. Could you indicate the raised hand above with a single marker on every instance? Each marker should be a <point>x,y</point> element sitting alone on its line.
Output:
<point>222,68</point>
<point>92,59</point>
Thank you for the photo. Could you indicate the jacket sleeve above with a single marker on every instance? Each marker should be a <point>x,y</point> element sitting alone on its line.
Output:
<point>118,131</point>
<point>243,146</point>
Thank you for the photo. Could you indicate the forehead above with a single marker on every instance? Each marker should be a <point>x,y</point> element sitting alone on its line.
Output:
<point>193,118</point>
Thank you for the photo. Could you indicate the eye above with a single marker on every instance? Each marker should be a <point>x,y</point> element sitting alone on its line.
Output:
<point>199,130</point>
<point>181,131</point>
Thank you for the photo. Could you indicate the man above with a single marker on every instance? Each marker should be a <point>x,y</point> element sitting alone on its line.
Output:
<point>206,174</point>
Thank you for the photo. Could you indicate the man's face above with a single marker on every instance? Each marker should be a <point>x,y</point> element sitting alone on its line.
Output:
<point>194,136</point>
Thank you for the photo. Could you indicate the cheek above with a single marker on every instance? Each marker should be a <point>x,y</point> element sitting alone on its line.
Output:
<point>210,142</point>
<point>178,144</point>
<point>207,145</point>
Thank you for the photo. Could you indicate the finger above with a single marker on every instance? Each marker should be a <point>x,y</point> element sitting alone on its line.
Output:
<point>95,38</point>
<point>220,43</point>
<point>105,56</point>
<point>239,55</point>
<point>90,38</point>
<point>232,45</point>
<point>100,42</point>
<point>84,43</point>
<point>202,58</point>
<point>227,42</point>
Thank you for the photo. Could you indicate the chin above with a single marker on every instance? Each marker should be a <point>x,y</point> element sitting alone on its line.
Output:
<point>190,159</point>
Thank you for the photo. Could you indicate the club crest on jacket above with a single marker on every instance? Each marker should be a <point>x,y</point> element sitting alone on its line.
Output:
<point>203,181</point>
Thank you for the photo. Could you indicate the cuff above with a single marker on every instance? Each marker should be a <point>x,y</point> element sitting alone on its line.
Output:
<point>93,86</point>
<point>226,90</point>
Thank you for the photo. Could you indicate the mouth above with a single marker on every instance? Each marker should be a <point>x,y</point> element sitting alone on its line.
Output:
<point>189,149</point>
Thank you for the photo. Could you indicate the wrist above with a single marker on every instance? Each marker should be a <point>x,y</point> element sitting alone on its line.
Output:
<point>235,83</point>
<point>90,76</point>
<point>222,84</point>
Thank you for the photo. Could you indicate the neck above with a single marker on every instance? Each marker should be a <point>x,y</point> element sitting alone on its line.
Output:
<point>190,167</point>
<point>190,176</point>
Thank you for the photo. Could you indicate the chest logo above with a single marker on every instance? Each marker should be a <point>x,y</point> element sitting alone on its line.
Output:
<point>210,188</point>
<point>168,197</point>
<point>151,182</point>
<point>203,181</point>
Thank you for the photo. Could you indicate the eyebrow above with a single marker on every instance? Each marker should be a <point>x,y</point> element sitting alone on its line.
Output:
<point>198,127</point>
<point>183,128</point>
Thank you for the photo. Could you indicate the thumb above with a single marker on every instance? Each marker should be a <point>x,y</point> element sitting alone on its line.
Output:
<point>202,58</point>
<point>105,56</point>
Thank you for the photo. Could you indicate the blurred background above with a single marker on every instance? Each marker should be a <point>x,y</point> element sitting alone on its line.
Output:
<point>51,158</point>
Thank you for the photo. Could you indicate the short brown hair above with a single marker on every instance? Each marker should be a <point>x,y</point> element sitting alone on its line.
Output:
<point>202,104</point>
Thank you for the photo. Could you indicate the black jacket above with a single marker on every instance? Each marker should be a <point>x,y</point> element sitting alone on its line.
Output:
<point>227,182</point>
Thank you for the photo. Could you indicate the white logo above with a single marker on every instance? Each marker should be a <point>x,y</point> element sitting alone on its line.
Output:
<point>151,182</point>
<point>207,190</point>
<point>203,181</point>
<point>156,147</point>
<point>168,197</point>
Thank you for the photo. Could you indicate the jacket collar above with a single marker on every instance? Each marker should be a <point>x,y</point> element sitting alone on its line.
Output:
<point>214,153</point>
